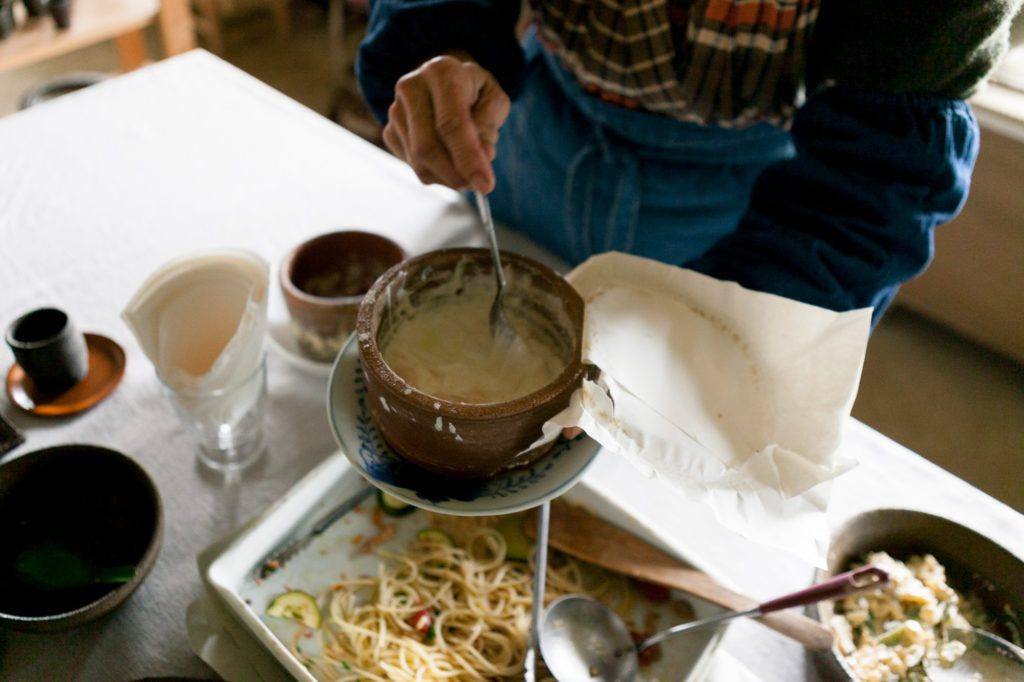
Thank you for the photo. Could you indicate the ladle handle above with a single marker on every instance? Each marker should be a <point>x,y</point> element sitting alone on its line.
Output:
<point>540,567</point>
<point>842,585</point>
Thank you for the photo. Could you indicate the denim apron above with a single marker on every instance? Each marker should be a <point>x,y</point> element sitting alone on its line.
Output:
<point>580,176</point>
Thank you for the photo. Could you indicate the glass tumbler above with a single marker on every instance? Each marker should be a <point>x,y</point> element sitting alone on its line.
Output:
<point>226,423</point>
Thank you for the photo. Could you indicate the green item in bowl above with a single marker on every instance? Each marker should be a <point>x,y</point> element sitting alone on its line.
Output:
<point>50,566</point>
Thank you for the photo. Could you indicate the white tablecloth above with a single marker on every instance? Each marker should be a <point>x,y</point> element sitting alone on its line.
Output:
<point>100,187</point>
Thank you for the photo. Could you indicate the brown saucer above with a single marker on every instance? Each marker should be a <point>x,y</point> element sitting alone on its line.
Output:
<point>106,367</point>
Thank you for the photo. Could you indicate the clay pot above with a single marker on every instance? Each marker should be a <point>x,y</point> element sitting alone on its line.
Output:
<point>460,439</point>
<point>323,281</point>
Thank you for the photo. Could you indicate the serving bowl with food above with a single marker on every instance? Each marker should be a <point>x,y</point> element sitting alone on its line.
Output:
<point>944,580</point>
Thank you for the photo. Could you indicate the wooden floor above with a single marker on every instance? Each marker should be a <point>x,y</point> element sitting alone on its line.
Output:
<point>949,400</point>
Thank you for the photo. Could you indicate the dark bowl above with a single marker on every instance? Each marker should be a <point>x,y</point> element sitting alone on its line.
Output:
<point>323,281</point>
<point>975,565</point>
<point>469,440</point>
<point>94,502</point>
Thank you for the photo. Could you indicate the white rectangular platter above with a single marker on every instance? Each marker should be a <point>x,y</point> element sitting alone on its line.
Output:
<point>234,573</point>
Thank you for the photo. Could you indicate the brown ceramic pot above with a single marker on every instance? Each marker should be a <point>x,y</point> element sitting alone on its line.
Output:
<point>460,439</point>
<point>974,564</point>
<point>323,281</point>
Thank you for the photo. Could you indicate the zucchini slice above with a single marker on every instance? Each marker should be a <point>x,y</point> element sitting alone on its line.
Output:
<point>518,544</point>
<point>392,506</point>
<point>296,605</point>
<point>435,535</point>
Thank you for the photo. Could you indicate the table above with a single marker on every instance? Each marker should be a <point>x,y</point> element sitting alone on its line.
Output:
<point>104,185</point>
<point>94,21</point>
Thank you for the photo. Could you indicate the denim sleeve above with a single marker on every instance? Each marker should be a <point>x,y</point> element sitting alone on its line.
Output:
<point>403,33</point>
<point>850,218</point>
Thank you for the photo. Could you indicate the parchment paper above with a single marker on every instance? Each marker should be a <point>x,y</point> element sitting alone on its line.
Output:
<point>732,396</point>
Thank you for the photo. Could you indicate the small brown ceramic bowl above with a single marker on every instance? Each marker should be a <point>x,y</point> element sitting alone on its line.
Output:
<point>67,515</point>
<point>975,566</point>
<point>470,440</point>
<point>323,281</point>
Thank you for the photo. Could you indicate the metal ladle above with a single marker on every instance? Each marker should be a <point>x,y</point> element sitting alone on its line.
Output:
<point>583,639</point>
<point>501,329</point>
<point>988,657</point>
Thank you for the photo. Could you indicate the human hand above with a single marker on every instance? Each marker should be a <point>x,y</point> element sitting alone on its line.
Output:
<point>444,122</point>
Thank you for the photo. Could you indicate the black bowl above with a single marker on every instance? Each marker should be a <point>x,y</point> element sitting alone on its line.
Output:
<point>974,564</point>
<point>92,501</point>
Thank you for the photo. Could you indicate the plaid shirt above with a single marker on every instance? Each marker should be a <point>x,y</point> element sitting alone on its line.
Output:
<point>730,63</point>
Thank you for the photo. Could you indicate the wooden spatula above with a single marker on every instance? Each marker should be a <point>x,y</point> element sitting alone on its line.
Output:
<point>590,538</point>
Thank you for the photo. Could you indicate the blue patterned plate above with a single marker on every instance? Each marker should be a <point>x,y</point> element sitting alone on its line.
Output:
<point>365,448</point>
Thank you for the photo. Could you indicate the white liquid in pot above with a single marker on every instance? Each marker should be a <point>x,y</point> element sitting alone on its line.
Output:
<point>447,351</point>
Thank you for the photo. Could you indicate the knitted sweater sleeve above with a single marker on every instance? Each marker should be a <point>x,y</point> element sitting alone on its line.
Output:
<point>885,150</point>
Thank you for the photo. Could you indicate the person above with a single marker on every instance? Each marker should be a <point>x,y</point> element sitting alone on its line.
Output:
<point>806,148</point>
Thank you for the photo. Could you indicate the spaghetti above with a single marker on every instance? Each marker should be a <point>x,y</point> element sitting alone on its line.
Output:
<point>456,610</point>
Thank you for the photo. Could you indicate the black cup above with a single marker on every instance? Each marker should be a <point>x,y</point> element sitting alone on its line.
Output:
<point>52,353</point>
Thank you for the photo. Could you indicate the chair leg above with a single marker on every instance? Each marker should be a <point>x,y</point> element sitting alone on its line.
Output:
<point>207,25</point>
<point>131,50</point>
<point>177,27</point>
<point>282,17</point>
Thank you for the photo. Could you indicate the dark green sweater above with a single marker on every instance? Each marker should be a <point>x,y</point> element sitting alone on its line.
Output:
<point>938,47</point>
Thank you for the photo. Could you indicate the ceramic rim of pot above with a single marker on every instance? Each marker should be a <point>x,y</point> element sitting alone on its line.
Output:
<point>369,352</point>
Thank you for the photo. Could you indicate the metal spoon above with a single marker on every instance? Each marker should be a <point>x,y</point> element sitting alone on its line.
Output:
<point>988,657</point>
<point>501,329</point>
<point>583,639</point>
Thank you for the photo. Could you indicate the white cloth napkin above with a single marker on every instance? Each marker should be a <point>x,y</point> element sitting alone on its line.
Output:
<point>201,318</point>
<point>734,397</point>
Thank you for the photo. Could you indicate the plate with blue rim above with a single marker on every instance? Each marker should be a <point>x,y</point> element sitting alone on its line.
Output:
<point>364,446</point>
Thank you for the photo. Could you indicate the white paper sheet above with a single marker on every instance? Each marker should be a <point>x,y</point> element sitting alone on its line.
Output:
<point>733,396</point>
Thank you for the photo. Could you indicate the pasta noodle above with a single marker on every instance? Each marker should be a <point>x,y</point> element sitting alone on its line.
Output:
<point>440,611</point>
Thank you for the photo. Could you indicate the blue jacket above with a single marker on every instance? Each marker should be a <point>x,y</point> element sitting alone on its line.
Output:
<point>842,223</point>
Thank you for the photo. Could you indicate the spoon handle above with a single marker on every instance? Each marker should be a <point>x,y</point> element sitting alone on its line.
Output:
<point>484,206</point>
<point>843,585</point>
